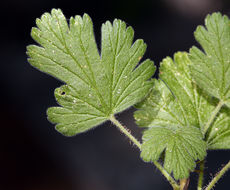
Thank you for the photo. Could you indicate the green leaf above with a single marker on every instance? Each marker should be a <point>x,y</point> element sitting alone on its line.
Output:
<point>218,137</point>
<point>210,70</point>
<point>97,85</point>
<point>177,105</point>
<point>177,100</point>
<point>210,67</point>
<point>182,146</point>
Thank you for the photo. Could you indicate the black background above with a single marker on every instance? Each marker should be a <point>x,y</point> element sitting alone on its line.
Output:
<point>34,156</point>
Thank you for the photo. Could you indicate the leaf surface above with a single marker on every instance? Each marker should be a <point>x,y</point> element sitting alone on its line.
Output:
<point>182,146</point>
<point>210,70</point>
<point>218,137</point>
<point>211,67</point>
<point>175,108</point>
<point>175,99</point>
<point>96,85</point>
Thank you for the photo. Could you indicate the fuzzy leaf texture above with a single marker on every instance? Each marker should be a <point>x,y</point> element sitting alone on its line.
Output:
<point>96,85</point>
<point>182,146</point>
<point>211,67</point>
<point>174,112</point>
<point>218,136</point>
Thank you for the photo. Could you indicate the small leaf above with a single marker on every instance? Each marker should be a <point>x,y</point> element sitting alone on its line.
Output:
<point>210,68</point>
<point>97,86</point>
<point>174,109</point>
<point>182,146</point>
<point>159,108</point>
<point>177,100</point>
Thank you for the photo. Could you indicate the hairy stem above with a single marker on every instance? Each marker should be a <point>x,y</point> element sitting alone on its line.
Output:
<point>125,131</point>
<point>138,144</point>
<point>201,175</point>
<point>218,176</point>
<point>213,115</point>
<point>167,176</point>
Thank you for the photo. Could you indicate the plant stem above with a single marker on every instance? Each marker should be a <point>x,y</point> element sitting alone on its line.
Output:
<point>125,131</point>
<point>201,175</point>
<point>213,115</point>
<point>167,176</point>
<point>184,183</point>
<point>218,176</point>
<point>138,144</point>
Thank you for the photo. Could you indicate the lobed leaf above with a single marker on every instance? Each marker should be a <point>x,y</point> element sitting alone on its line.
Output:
<point>182,147</point>
<point>210,68</point>
<point>175,99</point>
<point>176,103</point>
<point>97,86</point>
<point>175,109</point>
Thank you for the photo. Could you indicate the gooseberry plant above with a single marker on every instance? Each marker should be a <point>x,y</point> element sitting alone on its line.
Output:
<point>185,112</point>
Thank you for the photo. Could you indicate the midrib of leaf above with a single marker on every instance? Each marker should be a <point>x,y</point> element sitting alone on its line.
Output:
<point>213,136</point>
<point>117,105</point>
<point>197,101</point>
<point>92,73</point>
<point>217,137</point>
<point>86,102</point>
<point>221,56</point>
<point>75,113</point>
<point>70,85</point>
<point>179,102</point>
<point>120,76</point>
<point>68,51</point>
<point>82,121</point>
<point>114,64</point>
<point>167,110</point>
<point>120,101</point>
<point>207,64</point>
<point>196,97</point>
<point>207,67</point>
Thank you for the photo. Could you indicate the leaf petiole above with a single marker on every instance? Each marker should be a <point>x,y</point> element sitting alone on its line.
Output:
<point>201,175</point>
<point>125,131</point>
<point>218,176</point>
<point>173,183</point>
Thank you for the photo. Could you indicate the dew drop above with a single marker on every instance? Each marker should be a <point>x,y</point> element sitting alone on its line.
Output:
<point>125,77</point>
<point>119,91</point>
<point>74,101</point>
<point>216,129</point>
<point>90,95</point>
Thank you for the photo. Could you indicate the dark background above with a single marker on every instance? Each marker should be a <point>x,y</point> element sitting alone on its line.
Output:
<point>33,155</point>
